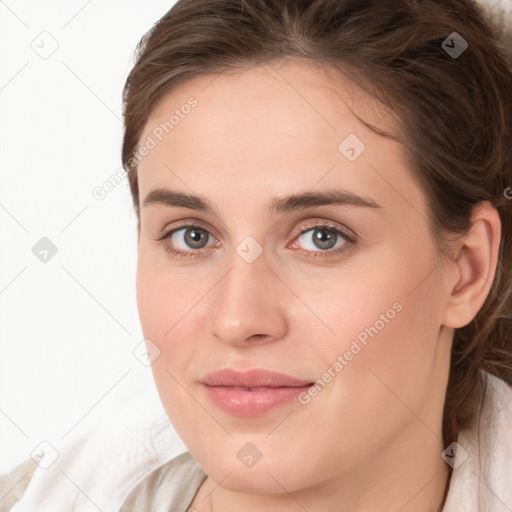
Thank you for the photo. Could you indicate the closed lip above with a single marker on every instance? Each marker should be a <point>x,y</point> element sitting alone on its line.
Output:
<point>253,378</point>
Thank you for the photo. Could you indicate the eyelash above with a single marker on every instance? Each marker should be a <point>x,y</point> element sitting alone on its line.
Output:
<point>349,239</point>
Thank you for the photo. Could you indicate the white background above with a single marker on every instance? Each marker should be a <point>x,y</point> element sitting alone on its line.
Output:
<point>69,326</point>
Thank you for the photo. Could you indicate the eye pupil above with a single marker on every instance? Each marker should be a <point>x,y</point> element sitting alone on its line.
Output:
<point>325,238</point>
<point>194,236</point>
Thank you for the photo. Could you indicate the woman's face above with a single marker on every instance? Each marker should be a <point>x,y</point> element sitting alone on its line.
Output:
<point>346,294</point>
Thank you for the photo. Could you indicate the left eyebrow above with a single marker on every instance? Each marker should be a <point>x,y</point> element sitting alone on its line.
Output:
<point>289,203</point>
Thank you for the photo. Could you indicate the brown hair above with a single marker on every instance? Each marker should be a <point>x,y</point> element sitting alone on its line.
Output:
<point>454,113</point>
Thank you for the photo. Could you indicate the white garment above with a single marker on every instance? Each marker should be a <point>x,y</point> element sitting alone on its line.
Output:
<point>108,464</point>
<point>98,466</point>
<point>483,482</point>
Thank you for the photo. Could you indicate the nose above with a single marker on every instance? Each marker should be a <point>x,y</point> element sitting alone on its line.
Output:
<point>248,304</point>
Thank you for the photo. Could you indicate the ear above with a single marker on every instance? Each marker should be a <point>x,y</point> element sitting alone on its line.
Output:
<point>472,270</point>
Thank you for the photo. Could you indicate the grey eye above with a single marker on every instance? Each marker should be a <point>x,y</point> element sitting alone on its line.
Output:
<point>195,238</point>
<point>322,238</point>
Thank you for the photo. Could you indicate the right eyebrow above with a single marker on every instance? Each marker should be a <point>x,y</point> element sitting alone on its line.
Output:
<point>165,197</point>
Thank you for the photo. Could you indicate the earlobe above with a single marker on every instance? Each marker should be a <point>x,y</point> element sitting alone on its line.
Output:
<point>475,267</point>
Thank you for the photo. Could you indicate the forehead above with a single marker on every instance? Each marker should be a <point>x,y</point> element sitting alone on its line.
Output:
<point>285,125</point>
<point>287,98</point>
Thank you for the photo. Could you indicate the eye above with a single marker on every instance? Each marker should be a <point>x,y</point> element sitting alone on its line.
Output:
<point>324,239</point>
<point>183,239</point>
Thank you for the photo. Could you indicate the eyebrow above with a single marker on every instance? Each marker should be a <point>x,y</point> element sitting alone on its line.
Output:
<point>172,198</point>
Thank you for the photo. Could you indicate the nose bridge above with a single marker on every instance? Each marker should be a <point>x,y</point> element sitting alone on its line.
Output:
<point>246,302</point>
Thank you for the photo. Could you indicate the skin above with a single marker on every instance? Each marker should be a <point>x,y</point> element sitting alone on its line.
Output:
<point>371,439</point>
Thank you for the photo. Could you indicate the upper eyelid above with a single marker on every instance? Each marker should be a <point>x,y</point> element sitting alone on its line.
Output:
<point>348,233</point>
<point>183,225</point>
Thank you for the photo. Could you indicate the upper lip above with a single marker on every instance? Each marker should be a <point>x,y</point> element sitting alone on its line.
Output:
<point>252,379</point>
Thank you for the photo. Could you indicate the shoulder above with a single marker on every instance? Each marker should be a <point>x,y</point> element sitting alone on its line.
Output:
<point>14,483</point>
<point>170,487</point>
<point>482,456</point>
<point>105,458</point>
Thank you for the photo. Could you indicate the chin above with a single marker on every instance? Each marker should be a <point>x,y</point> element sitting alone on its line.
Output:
<point>267,476</point>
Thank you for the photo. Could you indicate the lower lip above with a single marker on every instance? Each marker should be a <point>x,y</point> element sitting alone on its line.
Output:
<point>243,402</point>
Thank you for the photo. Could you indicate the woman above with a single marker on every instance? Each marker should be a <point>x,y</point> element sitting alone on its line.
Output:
<point>324,238</point>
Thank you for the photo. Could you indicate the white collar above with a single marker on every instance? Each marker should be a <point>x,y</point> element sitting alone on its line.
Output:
<point>482,474</point>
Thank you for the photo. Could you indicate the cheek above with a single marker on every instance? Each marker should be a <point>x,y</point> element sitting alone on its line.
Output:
<point>166,303</point>
<point>163,294</point>
<point>386,294</point>
<point>383,314</point>
<point>390,341</point>
<point>161,300</point>
<point>385,334</point>
<point>172,306</point>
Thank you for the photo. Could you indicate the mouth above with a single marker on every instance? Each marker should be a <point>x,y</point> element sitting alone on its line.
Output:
<point>252,379</point>
<point>254,389</point>
<point>252,393</point>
